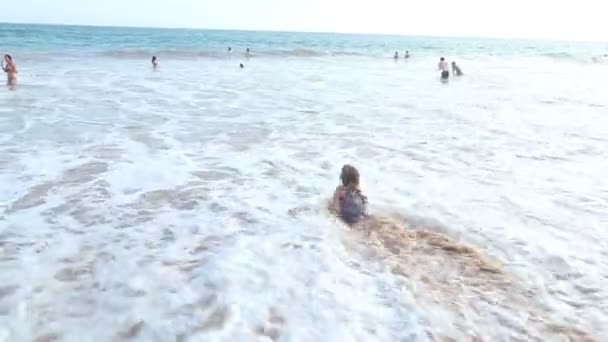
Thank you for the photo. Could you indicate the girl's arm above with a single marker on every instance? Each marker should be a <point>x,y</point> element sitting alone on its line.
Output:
<point>335,203</point>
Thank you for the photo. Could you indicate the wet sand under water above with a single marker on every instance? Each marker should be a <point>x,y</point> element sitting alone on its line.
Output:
<point>451,278</point>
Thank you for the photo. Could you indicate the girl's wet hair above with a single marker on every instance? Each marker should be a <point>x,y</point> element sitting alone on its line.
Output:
<point>349,176</point>
<point>7,56</point>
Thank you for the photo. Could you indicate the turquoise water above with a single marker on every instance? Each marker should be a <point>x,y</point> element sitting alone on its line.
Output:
<point>188,202</point>
<point>80,40</point>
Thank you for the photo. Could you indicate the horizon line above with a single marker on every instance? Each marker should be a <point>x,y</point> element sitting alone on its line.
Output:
<point>305,31</point>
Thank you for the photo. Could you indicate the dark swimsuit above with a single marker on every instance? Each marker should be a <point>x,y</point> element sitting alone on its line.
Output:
<point>353,206</point>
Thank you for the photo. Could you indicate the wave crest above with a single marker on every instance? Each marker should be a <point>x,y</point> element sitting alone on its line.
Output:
<point>189,54</point>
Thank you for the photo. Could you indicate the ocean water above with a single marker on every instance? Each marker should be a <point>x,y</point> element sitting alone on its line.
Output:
<point>189,203</point>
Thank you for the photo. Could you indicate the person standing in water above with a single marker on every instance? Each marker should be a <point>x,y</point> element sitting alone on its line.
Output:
<point>248,53</point>
<point>396,56</point>
<point>348,202</point>
<point>444,68</point>
<point>456,70</point>
<point>9,67</point>
<point>154,62</point>
<point>407,54</point>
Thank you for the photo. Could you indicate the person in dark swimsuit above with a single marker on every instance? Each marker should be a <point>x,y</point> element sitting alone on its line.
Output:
<point>9,67</point>
<point>348,202</point>
<point>154,62</point>
<point>444,68</point>
<point>456,70</point>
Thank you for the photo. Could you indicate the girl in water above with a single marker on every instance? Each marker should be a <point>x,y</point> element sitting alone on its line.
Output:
<point>154,62</point>
<point>456,70</point>
<point>11,71</point>
<point>348,201</point>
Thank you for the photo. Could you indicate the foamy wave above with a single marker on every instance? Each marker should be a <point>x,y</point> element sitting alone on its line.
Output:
<point>581,58</point>
<point>310,53</point>
<point>296,53</point>
<point>559,55</point>
<point>129,54</point>
<point>185,54</point>
<point>600,59</point>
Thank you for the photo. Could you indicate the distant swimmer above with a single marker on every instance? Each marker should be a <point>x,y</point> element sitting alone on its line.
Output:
<point>241,66</point>
<point>444,68</point>
<point>348,200</point>
<point>248,53</point>
<point>9,67</point>
<point>407,54</point>
<point>456,70</point>
<point>154,62</point>
<point>396,56</point>
<point>229,50</point>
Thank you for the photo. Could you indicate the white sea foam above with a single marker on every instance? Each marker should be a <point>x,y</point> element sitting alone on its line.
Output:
<point>154,205</point>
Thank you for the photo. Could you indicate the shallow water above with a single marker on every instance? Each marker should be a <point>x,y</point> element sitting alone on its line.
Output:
<point>155,205</point>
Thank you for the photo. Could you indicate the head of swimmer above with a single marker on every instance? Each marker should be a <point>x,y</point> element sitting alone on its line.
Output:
<point>241,66</point>
<point>8,58</point>
<point>441,59</point>
<point>350,177</point>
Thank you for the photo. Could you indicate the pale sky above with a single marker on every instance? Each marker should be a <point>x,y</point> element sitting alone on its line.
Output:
<point>551,19</point>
